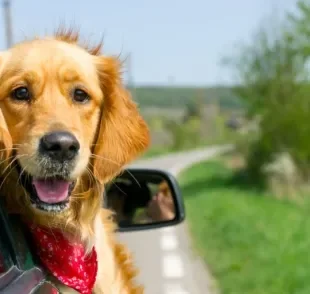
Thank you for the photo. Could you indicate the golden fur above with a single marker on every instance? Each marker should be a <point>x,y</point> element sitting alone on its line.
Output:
<point>109,128</point>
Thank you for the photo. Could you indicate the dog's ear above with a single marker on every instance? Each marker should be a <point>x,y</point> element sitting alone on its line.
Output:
<point>5,138</point>
<point>122,133</point>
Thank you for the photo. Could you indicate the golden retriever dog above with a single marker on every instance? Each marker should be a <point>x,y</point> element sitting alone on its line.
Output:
<point>67,127</point>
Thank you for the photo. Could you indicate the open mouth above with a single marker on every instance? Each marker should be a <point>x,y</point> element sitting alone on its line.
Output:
<point>50,194</point>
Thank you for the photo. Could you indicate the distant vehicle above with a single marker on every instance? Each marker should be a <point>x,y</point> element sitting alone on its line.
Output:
<point>234,123</point>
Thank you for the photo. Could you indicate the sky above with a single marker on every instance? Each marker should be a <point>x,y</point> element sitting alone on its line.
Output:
<point>171,42</point>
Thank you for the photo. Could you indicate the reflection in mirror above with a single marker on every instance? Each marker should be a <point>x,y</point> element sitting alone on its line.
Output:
<point>141,199</point>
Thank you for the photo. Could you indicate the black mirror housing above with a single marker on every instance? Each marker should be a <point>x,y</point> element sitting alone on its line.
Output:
<point>139,195</point>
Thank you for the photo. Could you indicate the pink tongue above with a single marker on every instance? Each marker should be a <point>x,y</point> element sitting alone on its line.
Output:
<point>52,190</point>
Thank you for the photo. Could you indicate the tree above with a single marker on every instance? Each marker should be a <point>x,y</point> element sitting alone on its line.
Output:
<point>273,82</point>
<point>298,31</point>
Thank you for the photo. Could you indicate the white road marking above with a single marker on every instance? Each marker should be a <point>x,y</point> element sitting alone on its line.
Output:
<point>174,288</point>
<point>172,266</point>
<point>172,263</point>
<point>169,242</point>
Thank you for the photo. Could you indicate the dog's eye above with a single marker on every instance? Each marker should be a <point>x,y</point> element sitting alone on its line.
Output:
<point>80,96</point>
<point>21,94</point>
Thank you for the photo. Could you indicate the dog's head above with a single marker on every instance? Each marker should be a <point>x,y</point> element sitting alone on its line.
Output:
<point>67,125</point>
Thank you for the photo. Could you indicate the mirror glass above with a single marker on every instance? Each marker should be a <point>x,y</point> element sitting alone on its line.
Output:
<point>138,199</point>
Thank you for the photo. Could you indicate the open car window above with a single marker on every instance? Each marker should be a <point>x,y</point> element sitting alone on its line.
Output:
<point>19,272</point>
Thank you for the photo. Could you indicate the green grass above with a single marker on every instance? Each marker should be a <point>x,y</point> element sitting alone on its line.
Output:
<point>251,242</point>
<point>156,151</point>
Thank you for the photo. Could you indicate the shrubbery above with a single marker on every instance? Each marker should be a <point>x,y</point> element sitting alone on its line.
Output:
<point>274,84</point>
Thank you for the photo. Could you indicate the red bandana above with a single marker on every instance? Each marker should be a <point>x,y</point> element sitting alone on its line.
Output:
<point>67,262</point>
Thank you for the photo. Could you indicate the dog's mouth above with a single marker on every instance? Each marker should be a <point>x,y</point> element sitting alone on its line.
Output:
<point>50,194</point>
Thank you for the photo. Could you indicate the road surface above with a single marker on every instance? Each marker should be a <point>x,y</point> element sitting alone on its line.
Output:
<point>164,256</point>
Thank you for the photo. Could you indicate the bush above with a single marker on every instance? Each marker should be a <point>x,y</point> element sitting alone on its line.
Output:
<point>274,84</point>
<point>184,135</point>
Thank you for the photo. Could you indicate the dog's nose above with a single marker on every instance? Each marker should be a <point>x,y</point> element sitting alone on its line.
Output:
<point>59,146</point>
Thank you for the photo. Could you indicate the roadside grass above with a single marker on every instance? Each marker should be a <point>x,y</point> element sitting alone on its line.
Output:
<point>156,151</point>
<point>251,242</point>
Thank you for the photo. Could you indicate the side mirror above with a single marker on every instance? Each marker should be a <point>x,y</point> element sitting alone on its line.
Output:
<point>145,199</point>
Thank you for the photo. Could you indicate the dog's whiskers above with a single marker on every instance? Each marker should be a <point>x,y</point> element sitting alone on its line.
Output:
<point>13,161</point>
<point>8,149</point>
<point>106,159</point>
<point>113,183</point>
<point>103,158</point>
<point>23,170</point>
<point>134,178</point>
<point>15,147</point>
<point>97,183</point>
<point>94,178</point>
<point>7,159</point>
<point>11,170</point>
<point>90,174</point>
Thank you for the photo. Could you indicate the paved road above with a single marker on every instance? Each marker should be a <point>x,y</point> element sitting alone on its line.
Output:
<point>164,256</point>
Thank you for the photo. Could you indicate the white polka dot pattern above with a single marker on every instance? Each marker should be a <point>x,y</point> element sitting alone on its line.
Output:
<point>64,260</point>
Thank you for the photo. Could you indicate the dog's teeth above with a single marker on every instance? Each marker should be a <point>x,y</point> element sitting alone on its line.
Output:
<point>52,208</point>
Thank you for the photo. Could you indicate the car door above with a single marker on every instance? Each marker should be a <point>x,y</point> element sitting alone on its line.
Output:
<point>19,271</point>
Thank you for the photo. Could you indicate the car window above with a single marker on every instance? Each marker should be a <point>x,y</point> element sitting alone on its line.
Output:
<point>13,244</point>
<point>5,259</point>
<point>18,270</point>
